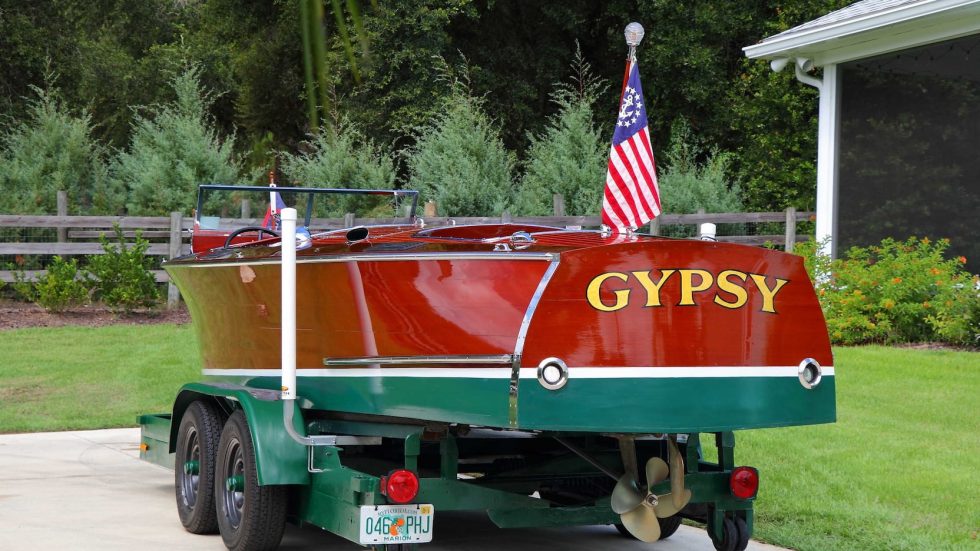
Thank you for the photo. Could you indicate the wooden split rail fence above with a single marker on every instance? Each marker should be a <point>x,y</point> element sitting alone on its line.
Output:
<point>170,236</point>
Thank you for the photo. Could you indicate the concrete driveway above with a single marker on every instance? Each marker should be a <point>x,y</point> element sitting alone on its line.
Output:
<point>88,490</point>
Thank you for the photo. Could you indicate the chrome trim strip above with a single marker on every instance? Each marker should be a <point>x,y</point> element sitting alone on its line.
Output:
<point>504,372</point>
<point>515,368</point>
<point>375,258</point>
<point>461,359</point>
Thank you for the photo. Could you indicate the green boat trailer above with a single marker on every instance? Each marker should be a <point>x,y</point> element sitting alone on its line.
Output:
<point>520,479</point>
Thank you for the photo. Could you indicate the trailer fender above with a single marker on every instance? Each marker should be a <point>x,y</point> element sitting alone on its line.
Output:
<point>278,458</point>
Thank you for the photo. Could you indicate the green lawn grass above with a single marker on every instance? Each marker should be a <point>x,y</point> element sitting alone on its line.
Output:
<point>899,470</point>
<point>69,378</point>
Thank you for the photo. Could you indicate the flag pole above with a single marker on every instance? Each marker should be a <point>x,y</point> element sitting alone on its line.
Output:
<point>634,35</point>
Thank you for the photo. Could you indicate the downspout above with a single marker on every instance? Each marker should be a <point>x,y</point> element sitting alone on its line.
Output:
<point>826,145</point>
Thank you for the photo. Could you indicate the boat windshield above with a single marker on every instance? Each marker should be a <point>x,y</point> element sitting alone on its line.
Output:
<point>226,208</point>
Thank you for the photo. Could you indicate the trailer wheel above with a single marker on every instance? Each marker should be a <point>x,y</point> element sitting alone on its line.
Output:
<point>250,517</point>
<point>197,446</point>
<point>668,526</point>
<point>730,537</point>
<point>743,534</point>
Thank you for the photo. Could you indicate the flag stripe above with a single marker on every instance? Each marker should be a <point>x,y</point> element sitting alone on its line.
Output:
<point>638,159</point>
<point>648,154</point>
<point>627,197</point>
<point>640,175</point>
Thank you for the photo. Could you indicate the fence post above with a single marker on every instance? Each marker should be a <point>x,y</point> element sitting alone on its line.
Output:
<point>349,220</point>
<point>429,210</point>
<point>505,217</point>
<point>176,242</point>
<point>246,209</point>
<point>790,240</point>
<point>655,226</point>
<point>62,211</point>
<point>559,201</point>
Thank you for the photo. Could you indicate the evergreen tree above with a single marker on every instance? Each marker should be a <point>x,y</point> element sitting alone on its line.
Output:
<point>174,148</point>
<point>342,159</point>
<point>568,158</point>
<point>688,185</point>
<point>53,150</point>
<point>459,160</point>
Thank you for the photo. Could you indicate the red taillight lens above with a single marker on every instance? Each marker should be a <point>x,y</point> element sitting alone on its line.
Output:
<point>401,486</point>
<point>744,482</point>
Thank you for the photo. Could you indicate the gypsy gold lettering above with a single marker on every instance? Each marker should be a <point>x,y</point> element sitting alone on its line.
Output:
<point>726,285</point>
<point>592,292</point>
<point>652,289</point>
<point>768,294</point>
<point>688,288</point>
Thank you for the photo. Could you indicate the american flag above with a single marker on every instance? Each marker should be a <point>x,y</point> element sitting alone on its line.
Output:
<point>632,196</point>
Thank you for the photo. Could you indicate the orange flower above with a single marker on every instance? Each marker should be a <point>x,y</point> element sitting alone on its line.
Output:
<point>926,304</point>
<point>962,259</point>
<point>19,260</point>
<point>897,280</point>
<point>934,271</point>
<point>925,241</point>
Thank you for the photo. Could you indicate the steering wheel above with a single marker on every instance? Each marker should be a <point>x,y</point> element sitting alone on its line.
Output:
<point>231,236</point>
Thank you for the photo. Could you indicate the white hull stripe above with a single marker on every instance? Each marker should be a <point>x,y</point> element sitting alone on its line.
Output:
<point>532,372</point>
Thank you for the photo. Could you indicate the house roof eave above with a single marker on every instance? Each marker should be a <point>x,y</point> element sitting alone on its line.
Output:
<point>875,33</point>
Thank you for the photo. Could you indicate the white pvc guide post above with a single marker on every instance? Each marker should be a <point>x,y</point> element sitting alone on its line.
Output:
<point>288,251</point>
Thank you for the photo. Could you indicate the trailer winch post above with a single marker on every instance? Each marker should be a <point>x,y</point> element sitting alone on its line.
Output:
<point>287,216</point>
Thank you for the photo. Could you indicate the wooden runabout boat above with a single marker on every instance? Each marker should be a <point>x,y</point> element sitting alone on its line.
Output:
<point>520,326</point>
<point>359,379</point>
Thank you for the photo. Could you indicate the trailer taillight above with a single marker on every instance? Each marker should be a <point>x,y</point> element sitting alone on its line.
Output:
<point>400,486</point>
<point>744,482</point>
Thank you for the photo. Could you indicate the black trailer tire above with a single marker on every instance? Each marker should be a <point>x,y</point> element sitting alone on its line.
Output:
<point>729,539</point>
<point>250,517</point>
<point>197,446</point>
<point>743,534</point>
<point>668,526</point>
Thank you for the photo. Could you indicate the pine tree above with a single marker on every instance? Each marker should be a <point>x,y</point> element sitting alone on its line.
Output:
<point>568,158</point>
<point>174,148</point>
<point>342,158</point>
<point>53,150</point>
<point>459,160</point>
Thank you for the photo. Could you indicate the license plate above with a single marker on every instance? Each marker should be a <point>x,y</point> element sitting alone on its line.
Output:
<point>396,523</point>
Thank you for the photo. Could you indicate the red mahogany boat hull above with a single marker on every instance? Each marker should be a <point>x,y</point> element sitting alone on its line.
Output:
<point>654,334</point>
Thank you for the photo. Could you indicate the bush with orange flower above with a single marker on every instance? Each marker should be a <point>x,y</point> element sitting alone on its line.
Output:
<point>897,291</point>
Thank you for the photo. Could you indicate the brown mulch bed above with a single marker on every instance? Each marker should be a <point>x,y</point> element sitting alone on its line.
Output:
<point>20,315</point>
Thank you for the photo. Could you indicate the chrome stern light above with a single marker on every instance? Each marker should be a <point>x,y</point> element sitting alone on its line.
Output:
<point>552,373</point>
<point>810,373</point>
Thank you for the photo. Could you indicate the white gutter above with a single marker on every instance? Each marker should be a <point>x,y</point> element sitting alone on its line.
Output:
<point>778,46</point>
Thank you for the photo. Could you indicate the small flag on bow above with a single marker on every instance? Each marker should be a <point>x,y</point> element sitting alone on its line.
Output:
<point>632,196</point>
<point>276,204</point>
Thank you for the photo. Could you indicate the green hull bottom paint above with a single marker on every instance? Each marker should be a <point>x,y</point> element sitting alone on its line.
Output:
<point>672,405</point>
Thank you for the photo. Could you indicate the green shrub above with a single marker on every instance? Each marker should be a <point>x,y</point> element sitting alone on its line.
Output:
<point>687,185</point>
<point>459,160</point>
<point>60,288</point>
<point>898,291</point>
<point>569,158</point>
<point>174,148</point>
<point>54,150</point>
<point>341,159</point>
<point>121,276</point>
